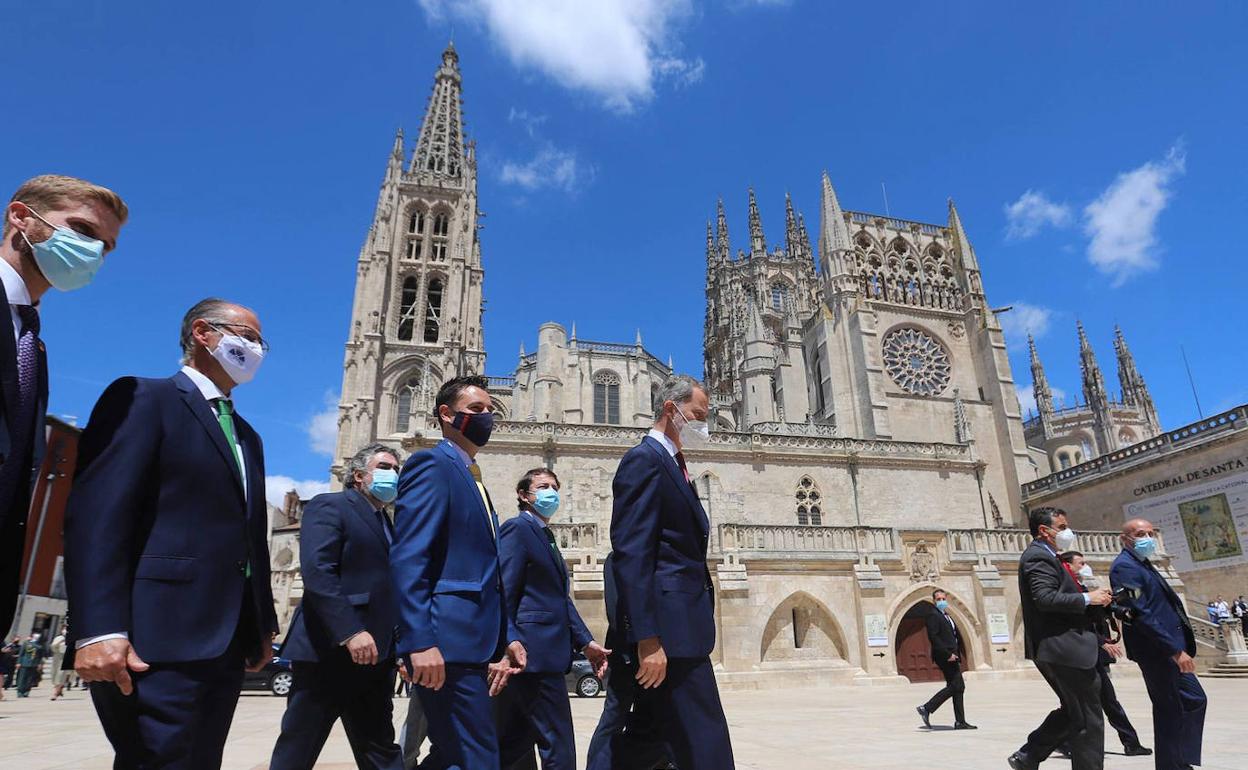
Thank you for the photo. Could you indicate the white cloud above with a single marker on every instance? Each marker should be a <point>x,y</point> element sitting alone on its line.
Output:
<point>322,428</point>
<point>1122,222</point>
<point>1022,320</point>
<point>276,487</point>
<point>530,121</point>
<point>549,167</point>
<point>1031,212</point>
<point>1027,398</point>
<point>615,49</point>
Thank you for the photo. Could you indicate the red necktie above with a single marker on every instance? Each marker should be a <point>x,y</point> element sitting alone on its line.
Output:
<point>680,460</point>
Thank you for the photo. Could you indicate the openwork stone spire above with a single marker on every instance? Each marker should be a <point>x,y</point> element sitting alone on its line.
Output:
<point>440,148</point>
<point>758,245</point>
<point>1134,391</point>
<point>792,237</point>
<point>1040,382</point>
<point>721,232</point>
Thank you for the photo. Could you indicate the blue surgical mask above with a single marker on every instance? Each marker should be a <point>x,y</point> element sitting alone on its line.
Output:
<point>942,605</point>
<point>546,502</point>
<point>1145,547</point>
<point>69,260</point>
<point>385,485</point>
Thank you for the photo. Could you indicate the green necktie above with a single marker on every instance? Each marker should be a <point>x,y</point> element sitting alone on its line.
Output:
<point>225,416</point>
<point>550,538</point>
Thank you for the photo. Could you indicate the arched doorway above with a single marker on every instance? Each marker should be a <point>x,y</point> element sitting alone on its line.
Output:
<point>914,651</point>
<point>801,629</point>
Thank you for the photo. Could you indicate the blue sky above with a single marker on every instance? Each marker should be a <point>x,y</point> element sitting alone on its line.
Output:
<point>1095,152</point>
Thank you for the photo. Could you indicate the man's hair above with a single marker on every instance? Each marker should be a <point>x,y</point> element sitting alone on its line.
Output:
<point>526,481</point>
<point>359,462</point>
<point>449,393</point>
<point>1069,556</point>
<point>939,591</point>
<point>50,191</point>
<point>213,310</point>
<point>1042,517</point>
<point>678,389</point>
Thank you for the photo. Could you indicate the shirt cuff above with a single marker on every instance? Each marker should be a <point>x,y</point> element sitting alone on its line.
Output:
<point>78,645</point>
<point>1087,599</point>
<point>343,643</point>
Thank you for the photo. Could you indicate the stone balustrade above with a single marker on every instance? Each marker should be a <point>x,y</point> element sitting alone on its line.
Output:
<point>1010,543</point>
<point>796,541</point>
<point>575,537</point>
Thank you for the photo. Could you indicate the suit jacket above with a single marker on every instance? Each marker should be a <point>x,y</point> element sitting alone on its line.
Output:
<point>344,555</point>
<point>444,562</point>
<point>15,508</point>
<point>944,637</point>
<point>659,539</point>
<point>158,531</point>
<point>1161,627</point>
<point>535,582</point>
<point>1056,626</point>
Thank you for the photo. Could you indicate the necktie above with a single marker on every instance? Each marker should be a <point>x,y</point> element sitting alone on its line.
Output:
<point>225,416</point>
<point>550,538</point>
<point>27,394</point>
<point>680,460</point>
<point>385,526</point>
<point>475,470</point>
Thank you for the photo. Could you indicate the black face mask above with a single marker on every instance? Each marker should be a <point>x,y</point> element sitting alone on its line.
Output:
<point>476,426</point>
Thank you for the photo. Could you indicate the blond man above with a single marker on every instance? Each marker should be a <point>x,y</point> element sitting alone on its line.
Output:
<point>56,232</point>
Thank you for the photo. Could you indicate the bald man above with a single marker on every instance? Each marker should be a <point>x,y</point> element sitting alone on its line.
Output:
<point>1160,640</point>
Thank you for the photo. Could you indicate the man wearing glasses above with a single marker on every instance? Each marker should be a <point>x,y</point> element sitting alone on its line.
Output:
<point>341,638</point>
<point>166,558</point>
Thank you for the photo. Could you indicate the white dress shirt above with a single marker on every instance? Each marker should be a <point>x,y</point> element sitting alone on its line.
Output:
<point>210,392</point>
<point>665,440</point>
<point>15,289</point>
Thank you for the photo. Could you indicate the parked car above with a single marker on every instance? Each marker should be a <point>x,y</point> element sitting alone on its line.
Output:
<point>277,677</point>
<point>581,679</point>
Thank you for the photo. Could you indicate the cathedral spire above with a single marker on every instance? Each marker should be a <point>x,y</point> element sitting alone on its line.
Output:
<point>711,253</point>
<point>803,236</point>
<point>1095,395</point>
<point>758,245</point>
<point>440,147</point>
<point>721,232</point>
<point>1040,386</point>
<point>792,238</point>
<point>833,237</point>
<point>962,243</point>
<point>1134,391</point>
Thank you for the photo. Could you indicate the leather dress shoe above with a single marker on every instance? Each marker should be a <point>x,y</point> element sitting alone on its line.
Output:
<point>1020,761</point>
<point>1136,751</point>
<point>964,726</point>
<point>924,714</point>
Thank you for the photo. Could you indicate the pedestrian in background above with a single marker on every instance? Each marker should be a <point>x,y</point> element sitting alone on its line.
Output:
<point>57,649</point>
<point>30,656</point>
<point>946,642</point>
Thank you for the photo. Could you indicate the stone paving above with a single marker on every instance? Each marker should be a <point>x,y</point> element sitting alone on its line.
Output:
<point>872,728</point>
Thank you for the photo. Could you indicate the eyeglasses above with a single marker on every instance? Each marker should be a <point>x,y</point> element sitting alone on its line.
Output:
<point>246,332</point>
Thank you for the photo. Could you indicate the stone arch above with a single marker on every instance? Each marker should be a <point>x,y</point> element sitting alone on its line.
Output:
<point>817,636</point>
<point>963,616</point>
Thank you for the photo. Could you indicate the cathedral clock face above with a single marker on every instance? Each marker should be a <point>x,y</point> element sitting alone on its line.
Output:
<point>916,362</point>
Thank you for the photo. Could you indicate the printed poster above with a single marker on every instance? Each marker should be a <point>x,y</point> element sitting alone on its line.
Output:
<point>1204,526</point>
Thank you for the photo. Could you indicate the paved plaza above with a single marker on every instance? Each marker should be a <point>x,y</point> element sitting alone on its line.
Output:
<point>797,729</point>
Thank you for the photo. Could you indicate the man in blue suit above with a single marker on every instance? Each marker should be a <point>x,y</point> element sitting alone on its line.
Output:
<point>1161,641</point>
<point>166,553</point>
<point>444,563</point>
<point>341,638</point>
<point>666,606</point>
<point>535,583</point>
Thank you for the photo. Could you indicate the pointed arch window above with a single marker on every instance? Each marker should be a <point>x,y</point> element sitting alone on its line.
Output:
<point>441,235</point>
<point>416,222</point>
<point>809,503</point>
<point>779,294</point>
<point>409,398</point>
<point>433,310</point>
<point>407,307</point>
<point>607,398</point>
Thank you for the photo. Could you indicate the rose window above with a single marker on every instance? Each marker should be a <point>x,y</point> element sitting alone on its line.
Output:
<point>916,362</point>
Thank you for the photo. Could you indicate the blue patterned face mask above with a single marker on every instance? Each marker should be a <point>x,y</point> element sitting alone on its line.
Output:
<point>546,502</point>
<point>69,260</point>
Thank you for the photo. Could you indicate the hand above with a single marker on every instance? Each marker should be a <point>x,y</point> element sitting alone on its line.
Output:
<point>406,677</point>
<point>1100,596</point>
<point>428,668</point>
<point>363,649</point>
<point>518,656</point>
<point>1115,650</point>
<point>596,654</point>
<point>266,654</point>
<point>953,657</point>
<point>1185,662</point>
<point>652,664</point>
<point>111,660</point>
<point>499,672</point>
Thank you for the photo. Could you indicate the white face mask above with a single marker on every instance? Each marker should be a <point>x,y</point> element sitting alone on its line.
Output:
<point>240,358</point>
<point>1085,572</point>
<point>1065,539</point>
<point>693,432</point>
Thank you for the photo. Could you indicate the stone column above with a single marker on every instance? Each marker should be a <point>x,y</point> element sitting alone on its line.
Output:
<point>990,591</point>
<point>1236,650</point>
<point>875,661</point>
<point>733,651</point>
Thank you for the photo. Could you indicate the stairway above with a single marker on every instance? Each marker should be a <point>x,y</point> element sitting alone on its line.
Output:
<point>1227,671</point>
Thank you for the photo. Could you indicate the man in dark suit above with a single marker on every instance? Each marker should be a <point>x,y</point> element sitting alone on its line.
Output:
<point>946,643</point>
<point>341,637</point>
<point>444,563</point>
<point>1058,638</point>
<point>56,232</point>
<point>166,553</point>
<point>666,604</point>
<point>1160,640</point>
<point>535,583</point>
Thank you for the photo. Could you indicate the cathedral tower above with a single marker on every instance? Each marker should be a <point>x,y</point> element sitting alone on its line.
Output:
<point>416,318</point>
<point>1096,397</point>
<point>1134,391</point>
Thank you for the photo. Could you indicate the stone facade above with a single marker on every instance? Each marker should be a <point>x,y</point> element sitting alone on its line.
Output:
<point>867,440</point>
